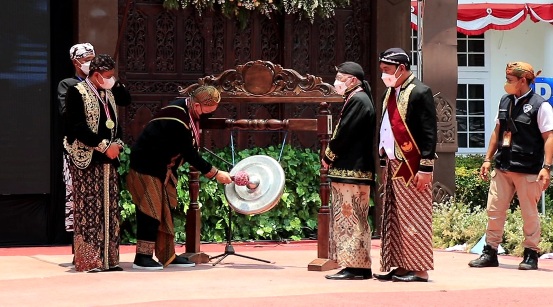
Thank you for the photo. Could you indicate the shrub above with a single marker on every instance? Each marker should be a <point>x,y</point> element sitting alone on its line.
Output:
<point>293,218</point>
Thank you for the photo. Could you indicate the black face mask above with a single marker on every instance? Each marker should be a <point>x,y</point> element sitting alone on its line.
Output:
<point>205,116</point>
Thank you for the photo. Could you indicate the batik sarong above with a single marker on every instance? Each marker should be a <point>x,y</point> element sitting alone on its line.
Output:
<point>350,242</point>
<point>156,199</point>
<point>96,216</point>
<point>68,194</point>
<point>406,224</point>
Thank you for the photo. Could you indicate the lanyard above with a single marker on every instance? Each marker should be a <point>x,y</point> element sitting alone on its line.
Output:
<point>194,128</point>
<point>349,97</point>
<point>104,102</point>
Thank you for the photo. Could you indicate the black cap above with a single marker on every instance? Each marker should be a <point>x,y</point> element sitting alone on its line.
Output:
<point>351,68</point>
<point>395,56</point>
<point>102,62</point>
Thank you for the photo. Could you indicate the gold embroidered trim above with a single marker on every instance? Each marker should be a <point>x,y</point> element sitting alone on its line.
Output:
<point>427,162</point>
<point>106,215</point>
<point>329,154</point>
<point>171,118</point>
<point>402,104</point>
<point>119,141</point>
<point>80,154</point>
<point>350,174</point>
<point>145,247</point>
<point>103,146</point>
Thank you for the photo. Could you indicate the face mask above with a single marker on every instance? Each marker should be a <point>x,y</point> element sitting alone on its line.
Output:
<point>390,80</point>
<point>108,83</point>
<point>510,88</point>
<point>85,67</point>
<point>340,87</point>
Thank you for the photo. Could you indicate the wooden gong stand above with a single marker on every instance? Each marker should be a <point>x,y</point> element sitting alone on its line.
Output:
<point>263,82</point>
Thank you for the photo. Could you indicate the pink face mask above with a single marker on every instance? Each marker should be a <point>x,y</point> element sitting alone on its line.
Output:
<point>340,86</point>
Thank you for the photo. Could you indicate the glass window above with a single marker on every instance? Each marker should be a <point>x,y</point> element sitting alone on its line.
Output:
<point>472,75</point>
<point>470,50</point>
<point>414,52</point>
<point>471,122</point>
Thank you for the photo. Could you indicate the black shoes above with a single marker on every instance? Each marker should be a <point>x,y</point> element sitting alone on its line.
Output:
<point>530,261</point>
<point>145,262</point>
<point>182,262</point>
<point>409,277</point>
<point>351,274</point>
<point>487,259</point>
<point>386,277</point>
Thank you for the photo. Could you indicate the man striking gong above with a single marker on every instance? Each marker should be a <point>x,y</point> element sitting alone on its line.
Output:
<point>170,139</point>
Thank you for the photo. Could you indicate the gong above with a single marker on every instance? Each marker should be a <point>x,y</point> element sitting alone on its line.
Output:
<point>258,185</point>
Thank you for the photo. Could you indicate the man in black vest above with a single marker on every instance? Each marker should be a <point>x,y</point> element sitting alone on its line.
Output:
<point>522,147</point>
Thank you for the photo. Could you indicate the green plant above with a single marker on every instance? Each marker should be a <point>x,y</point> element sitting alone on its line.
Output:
<point>455,223</point>
<point>469,188</point>
<point>293,218</point>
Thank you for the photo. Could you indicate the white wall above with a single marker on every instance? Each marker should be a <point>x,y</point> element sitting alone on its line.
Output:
<point>529,42</point>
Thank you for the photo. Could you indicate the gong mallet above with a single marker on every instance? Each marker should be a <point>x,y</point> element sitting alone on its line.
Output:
<point>244,180</point>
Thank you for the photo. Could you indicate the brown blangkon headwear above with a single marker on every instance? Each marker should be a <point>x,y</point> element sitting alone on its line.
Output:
<point>206,95</point>
<point>521,70</point>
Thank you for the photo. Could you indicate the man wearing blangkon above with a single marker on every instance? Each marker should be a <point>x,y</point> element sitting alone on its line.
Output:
<point>170,139</point>
<point>522,148</point>
<point>407,147</point>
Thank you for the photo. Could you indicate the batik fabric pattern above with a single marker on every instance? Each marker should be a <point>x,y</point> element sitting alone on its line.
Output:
<point>96,215</point>
<point>406,224</point>
<point>156,200</point>
<point>351,232</point>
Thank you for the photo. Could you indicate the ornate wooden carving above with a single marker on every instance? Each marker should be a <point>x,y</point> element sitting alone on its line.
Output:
<point>165,43</point>
<point>258,85</point>
<point>136,42</point>
<point>447,125</point>
<point>162,51</point>
<point>259,78</point>
<point>441,193</point>
<point>193,59</point>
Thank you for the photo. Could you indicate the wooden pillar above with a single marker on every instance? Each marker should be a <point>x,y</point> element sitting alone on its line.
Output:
<point>323,261</point>
<point>439,68</point>
<point>194,220</point>
<point>391,27</point>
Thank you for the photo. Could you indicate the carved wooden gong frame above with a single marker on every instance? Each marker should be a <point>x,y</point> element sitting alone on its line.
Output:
<point>262,82</point>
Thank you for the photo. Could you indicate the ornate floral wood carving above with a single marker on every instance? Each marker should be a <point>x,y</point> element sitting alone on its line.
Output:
<point>447,126</point>
<point>327,43</point>
<point>302,40</point>
<point>162,51</point>
<point>193,59</point>
<point>353,48</point>
<point>242,43</point>
<point>441,193</point>
<point>218,52</point>
<point>262,78</point>
<point>269,40</point>
<point>136,42</point>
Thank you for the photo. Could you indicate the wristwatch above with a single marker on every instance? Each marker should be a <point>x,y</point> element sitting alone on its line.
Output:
<point>547,166</point>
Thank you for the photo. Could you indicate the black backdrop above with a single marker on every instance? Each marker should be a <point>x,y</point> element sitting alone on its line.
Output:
<point>35,37</point>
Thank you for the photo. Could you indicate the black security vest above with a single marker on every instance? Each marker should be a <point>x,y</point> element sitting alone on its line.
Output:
<point>525,155</point>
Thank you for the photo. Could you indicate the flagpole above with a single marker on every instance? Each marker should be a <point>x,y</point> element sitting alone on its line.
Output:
<point>420,6</point>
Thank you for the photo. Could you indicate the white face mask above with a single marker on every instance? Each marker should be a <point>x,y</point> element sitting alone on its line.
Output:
<point>85,67</point>
<point>390,80</point>
<point>340,87</point>
<point>108,83</point>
